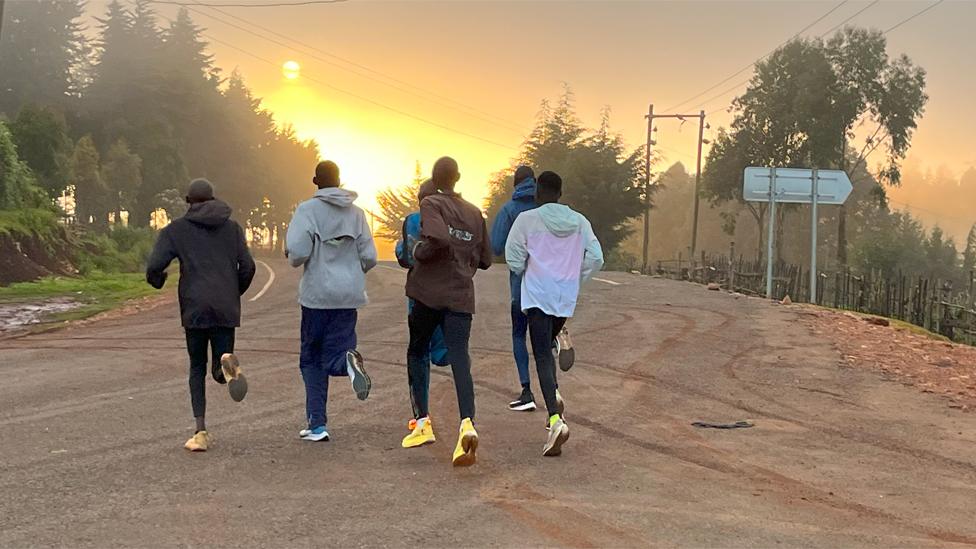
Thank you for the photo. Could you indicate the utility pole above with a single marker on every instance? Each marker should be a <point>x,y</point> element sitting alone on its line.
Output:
<point>1,18</point>
<point>647,184</point>
<point>694,223</point>
<point>647,187</point>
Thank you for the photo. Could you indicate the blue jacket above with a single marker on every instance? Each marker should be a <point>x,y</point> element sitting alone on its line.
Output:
<point>523,199</point>
<point>409,238</point>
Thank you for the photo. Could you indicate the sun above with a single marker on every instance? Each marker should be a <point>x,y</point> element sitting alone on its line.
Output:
<point>291,70</point>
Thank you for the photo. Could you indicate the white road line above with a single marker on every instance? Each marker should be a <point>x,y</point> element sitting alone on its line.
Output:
<point>271,279</point>
<point>605,281</point>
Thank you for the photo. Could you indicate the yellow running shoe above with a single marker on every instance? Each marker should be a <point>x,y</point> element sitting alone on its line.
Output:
<point>199,442</point>
<point>467,445</point>
<point>423,433</point>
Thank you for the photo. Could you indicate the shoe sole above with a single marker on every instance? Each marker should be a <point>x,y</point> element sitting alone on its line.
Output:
<point>469,443</point>
<point>236,382</point>
<point>361,384</point>
<point>557,445</point>
<point>567,358</point>
<point>530,407</point>
<point>424,443</point>
<point>316,438</point>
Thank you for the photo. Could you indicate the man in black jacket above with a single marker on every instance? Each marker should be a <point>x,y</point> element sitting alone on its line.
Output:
<point>216,268</point>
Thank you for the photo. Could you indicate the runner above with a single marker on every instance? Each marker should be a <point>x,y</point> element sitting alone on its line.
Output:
<point>523,199</point>
<point>410,235</point>
<point>216,268</point>
<point>453,245</point>
<point>555,250</point>
<point>330,238</point>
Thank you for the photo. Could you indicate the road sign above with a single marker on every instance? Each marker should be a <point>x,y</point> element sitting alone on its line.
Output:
<point>796,186</point>
<point>793,185</point>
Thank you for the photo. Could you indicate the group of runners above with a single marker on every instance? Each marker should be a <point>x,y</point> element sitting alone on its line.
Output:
<point>550,250</point>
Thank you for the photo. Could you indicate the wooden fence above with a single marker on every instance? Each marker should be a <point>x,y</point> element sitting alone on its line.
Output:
<point>933,304</point>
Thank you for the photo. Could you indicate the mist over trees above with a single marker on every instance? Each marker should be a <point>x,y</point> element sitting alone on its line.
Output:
<point>128,117</point>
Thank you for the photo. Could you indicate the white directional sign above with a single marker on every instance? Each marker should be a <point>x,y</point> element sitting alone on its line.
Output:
<point>794,185</point>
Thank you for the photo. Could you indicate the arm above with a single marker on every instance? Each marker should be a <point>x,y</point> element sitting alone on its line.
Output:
<point>500,229</point>
<point>434,236</point>
<point>517,247</point>
<point>484,262</point>
<point>245,263</point>
<point>162,255</point>
<point>365,245</point>
<point>592,253</point>
<point>401,247</point>
<point>299,239</point>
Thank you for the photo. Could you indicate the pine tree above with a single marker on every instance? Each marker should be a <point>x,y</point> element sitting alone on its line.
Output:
<point>969,256</point>
<point>42,42</point>
<point>122,176</point>
<point>90,190</point>
<point>396,204</point>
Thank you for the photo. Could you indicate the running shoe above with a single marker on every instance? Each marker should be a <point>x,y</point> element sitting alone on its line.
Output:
<point>467,445</point>
<point>558,435</point>
<point>236,382</point>
<point>199,442</point>
<point>316,434</point>
<point>357,374</point>
<point>423,433</point>
<point>524,403</point>
<point>564,350</point>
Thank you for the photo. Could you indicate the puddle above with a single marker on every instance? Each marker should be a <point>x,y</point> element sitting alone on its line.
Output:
<point>20,314</point>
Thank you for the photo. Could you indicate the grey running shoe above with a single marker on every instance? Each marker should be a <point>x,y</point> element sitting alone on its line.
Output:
<point>558,435</point>
<point>230,366</point>
<point>564,350</point>
<point>357,374</point>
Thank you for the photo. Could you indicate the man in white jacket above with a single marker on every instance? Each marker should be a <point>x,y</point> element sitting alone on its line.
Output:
<point>555,250</point>
<point>330,238</point>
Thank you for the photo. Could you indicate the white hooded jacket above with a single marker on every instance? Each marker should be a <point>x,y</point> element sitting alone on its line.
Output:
<point>556,250</point>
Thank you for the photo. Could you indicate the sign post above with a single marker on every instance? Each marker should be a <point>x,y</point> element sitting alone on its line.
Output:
<point>796,186</point>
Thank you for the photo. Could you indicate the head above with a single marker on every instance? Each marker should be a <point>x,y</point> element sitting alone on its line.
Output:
<point>426,189</point>
<point>200,190</point>
<point>549,188</point>
<point>445,174</point>
<point>326,174</point>
<point>522,173</point>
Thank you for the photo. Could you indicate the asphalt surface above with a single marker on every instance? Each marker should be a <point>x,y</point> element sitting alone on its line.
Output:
<point>93,418</point>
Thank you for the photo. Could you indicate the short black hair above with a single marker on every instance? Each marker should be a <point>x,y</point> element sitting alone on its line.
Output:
<point>200,190</point>
<point>327,174</point>
<point>550,183</point>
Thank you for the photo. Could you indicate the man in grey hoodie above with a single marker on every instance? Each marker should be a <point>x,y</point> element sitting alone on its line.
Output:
<point>330,238</point>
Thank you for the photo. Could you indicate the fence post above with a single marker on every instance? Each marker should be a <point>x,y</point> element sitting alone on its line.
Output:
<point>731,277</point>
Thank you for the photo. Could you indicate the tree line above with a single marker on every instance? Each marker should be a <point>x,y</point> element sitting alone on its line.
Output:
<point>124,119</point>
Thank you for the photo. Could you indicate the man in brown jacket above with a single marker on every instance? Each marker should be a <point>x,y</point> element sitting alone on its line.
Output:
<point>453,245</point>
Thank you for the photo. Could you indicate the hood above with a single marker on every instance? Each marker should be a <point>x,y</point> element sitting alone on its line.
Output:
<point>560,219</point>
<point>525,190</point>
<point>212,213</point>
<point>336,196</point>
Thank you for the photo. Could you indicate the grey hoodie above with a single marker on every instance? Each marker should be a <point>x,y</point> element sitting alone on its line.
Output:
<point>329,236</point>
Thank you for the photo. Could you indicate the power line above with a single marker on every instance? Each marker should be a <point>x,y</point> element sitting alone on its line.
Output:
<point>256,5</point>
<point>750,65</point>
<point>366,99</point>
<point>900,23</point>
<point>397,84</point>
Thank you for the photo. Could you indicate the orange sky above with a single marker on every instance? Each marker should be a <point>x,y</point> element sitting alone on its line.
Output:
<point>502,58</point>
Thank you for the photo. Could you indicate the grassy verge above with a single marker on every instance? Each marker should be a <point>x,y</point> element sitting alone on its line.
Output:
<point>97,292</point>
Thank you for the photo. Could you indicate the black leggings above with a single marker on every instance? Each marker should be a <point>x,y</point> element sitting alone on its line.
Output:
<point>220,340</point>
<point>543,330</point>
<point>457,333</point>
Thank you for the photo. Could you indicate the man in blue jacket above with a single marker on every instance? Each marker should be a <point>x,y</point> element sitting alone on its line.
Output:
<point>523,199</point>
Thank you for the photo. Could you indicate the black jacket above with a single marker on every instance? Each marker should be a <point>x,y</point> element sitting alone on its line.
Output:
<point>215,266</point>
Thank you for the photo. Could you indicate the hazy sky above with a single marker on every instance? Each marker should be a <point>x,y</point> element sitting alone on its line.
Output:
<point>502,58</point>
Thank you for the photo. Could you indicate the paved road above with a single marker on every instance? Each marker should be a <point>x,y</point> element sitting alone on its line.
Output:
<point>92,422</point>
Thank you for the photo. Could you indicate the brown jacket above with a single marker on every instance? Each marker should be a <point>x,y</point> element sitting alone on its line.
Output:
<point>453,246</point>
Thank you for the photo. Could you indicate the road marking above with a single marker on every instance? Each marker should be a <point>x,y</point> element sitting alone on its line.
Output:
<point>605,281</point>
<point>271,279</point>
